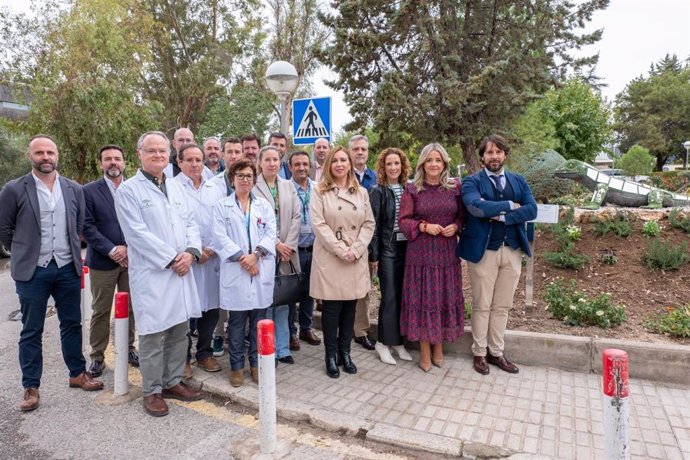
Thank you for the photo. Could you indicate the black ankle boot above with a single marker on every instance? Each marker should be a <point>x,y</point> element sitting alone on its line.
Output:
<point>332,367</point>
<point>348,365</point>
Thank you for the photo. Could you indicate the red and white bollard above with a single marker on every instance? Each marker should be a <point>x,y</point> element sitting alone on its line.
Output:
<point>266,341</point>
<point>121,384</point>
<point>616,405</point>
<point>86,310</point>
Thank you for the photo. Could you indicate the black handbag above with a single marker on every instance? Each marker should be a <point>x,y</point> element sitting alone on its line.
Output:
<point>290,288</point>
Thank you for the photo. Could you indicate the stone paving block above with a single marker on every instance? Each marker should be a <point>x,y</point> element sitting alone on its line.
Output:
<point>531,445</point>
<point>333,421</point>
<point>481,435</point>
<point>654,450</point>
<point>436,426</point>
<point>673,453</point>
<point>397,436</point>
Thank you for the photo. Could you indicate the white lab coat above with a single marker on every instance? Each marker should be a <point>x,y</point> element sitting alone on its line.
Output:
<point>238,290</point>
<point>202,201</point>
<point>157,228</point>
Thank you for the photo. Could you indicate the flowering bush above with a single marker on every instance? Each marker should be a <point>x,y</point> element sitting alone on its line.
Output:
<point>575,308</point>
<point>573,232</point>
<point>651,228</point>
<point>673,321</point>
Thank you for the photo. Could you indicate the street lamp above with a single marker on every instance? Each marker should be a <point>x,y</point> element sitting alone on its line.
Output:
<point>282,79</point>
<point>686,144</point>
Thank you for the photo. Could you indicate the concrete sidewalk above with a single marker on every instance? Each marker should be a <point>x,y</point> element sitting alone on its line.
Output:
<point>543,412</point>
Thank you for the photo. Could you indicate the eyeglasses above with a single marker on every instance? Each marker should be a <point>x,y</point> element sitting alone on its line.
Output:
<point>244,176</point>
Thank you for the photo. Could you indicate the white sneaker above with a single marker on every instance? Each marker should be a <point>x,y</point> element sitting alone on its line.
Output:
<point>402,353</point>
<point>384,353</point>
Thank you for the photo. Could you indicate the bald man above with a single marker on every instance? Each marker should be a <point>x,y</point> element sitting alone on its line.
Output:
<point>181,137</point>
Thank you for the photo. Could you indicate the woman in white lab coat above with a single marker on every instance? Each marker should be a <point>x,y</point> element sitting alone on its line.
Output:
<point>202,196</point>
<point>245,240</point>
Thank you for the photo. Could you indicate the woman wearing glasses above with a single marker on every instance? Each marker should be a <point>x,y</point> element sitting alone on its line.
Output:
<point>245,238</point>
<point>343,225</point>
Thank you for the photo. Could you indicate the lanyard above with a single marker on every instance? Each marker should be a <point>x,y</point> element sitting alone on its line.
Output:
<point>247,219</point>
<point>276,200</point>
<point>305,201</point>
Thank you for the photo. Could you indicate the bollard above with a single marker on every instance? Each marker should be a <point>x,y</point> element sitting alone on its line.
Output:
<point>121,384</point>
<point>615,402</point>
<point>86,309</point>
<point>265,331</point>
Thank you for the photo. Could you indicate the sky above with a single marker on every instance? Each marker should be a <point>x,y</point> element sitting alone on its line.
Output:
<point>636,34</point>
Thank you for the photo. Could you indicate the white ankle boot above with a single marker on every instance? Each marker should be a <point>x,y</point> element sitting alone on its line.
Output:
<point>402,353</point>
<point>384,353</point>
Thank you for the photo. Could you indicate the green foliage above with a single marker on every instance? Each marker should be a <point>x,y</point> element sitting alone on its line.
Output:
<point>679,220</point>
<point>673,321</point>
<point>575,119</point>
<point>468,310</point>
<point>619,225</point>
<point>651,228</point>
<point>674,181</point>
<point>609,258</point>
<point>575,308</point>
<point>539,175</point>
<point>565,234</point>
<point>636,161</point>
<point>665,255</point>
<point>13,160</point>
<point>451,71</point>
<point>652,111</point>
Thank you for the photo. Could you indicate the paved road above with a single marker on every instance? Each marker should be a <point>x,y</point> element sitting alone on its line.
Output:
<point>71,423</point>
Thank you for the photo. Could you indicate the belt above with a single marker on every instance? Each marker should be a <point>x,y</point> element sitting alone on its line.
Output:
<point>306,248</point>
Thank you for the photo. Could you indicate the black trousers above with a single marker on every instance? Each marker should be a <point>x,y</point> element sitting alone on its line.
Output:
<point>391,273</point>
<point>337,321</point>
<point>205,327</point>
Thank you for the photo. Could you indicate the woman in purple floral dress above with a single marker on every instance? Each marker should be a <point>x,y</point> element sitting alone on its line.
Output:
<point>431,214</point>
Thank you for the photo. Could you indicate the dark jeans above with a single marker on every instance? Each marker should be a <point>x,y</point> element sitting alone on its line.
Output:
<point>204,343</point>
<point>337,321</point>
<point>65,286</point>
<point>391,273</point>
<point>306,308</point>
<point>237,322</point>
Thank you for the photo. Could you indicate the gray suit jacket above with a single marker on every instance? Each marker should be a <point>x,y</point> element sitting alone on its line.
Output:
<point>20,223</point>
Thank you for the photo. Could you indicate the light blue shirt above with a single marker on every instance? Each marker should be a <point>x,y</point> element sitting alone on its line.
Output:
<point>306,233</point>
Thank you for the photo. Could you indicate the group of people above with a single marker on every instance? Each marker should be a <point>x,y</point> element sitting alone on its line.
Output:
<point>198,240</point>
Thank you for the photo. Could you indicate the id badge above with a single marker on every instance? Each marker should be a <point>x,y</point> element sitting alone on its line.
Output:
<point>400,237</point>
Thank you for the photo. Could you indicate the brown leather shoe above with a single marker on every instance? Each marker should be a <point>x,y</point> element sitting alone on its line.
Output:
<point>30,400</point>
<point>480,365</point>
<point>503,363</point>
<point>294,343</point>
<point>85,382</point>
<point>188,371</point>
<point>237,378</point>
<point>209,364</point>
<point>155,405</point>
<point>310,337</point>
<point>183,392</point>
<point>255,374</point>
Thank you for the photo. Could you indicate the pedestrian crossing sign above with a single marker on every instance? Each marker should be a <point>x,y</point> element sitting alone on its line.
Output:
<point>311,120</point>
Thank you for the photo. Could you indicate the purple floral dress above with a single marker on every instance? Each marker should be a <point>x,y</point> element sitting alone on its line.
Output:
<point>433,308</point>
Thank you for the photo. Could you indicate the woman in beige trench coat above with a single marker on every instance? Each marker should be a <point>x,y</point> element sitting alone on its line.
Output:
<point>343,225</point>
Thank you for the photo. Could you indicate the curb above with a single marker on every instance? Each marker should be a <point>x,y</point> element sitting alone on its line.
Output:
<point>666,363</point>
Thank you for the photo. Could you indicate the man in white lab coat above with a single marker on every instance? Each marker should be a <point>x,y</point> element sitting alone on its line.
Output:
<point>163,243</point>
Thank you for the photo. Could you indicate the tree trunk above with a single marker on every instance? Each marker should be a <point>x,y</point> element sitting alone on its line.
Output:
<point>472,163</point>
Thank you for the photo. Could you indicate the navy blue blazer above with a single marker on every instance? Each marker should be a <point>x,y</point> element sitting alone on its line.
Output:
<point>102,230</point>
<point>478,198</point>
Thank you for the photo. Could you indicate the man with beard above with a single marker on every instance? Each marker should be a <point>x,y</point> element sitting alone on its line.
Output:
<point>499,204</point>
<point>321,148</point>
<point>250,147</point>
<point>106,255</point>
<point>280,141</point>
<point>212,153</point>
<point>41,218</point>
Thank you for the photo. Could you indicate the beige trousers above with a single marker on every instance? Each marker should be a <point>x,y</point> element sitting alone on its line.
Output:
<point>494,281</point>
<point>362,312</point>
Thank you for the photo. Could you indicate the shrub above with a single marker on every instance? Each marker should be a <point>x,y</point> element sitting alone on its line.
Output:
<point>573,233</point>
<point>567,257</point>
<point>636,161</point>
<point>673,321</point>
<point>620,226</point>
<point>543,183</point>
<point>468,310</point>
<point>574,308</point>
<point>609,258</point>
<point>665,255</point>
<point>651,228</point>
<point>679,221</point>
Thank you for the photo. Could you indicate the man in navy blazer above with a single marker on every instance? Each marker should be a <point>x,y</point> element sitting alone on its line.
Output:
<point>106,255</point>
<point>499,204</point>
<point>41,217</point>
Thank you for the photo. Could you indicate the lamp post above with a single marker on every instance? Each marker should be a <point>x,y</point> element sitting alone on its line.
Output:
<point>686,144</point>
<point>282,79</point>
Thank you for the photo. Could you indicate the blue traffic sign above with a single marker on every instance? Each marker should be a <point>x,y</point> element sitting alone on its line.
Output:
<point>311,120</point>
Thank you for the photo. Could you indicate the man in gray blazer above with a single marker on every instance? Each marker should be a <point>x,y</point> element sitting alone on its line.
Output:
<point>41,217</point>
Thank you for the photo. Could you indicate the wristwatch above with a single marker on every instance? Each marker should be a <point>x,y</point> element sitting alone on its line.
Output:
<point>260,253</point>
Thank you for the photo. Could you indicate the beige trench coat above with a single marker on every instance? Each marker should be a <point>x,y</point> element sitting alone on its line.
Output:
<point>288,219</point>
<point>340,219</point>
